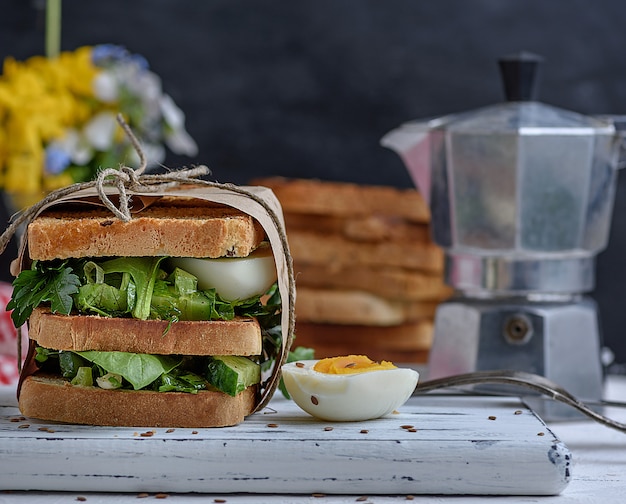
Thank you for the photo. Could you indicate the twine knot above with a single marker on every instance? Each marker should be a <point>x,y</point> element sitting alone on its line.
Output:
<point>134,180</point>
<point>123,179</point>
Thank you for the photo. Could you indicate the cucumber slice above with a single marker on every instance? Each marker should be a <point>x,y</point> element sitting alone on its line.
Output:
<point>232,374</point>
<point>83,377</point>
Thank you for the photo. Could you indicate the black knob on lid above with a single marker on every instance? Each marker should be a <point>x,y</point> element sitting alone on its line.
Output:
<point>519,75</point>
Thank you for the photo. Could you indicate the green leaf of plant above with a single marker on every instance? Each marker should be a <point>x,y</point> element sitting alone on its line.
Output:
<point>38,285</point>
<point>140,370</point>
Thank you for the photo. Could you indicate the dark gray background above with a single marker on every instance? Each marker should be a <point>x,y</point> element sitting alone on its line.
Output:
<point>307,88</point>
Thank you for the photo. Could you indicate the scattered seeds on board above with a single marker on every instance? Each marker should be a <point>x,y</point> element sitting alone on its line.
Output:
<point>315,400</point>
<point>272,425</point>
<point>318,495</point>
<point>219,500</point>
<point>407,427</point>
<point>161,496</point>
<point>362,498</point>
<point>143,495</point>
<point>80,498</point>
<point>169,431</point>
<point>518,412</point>
<point>194,432</point>
<point>492,417</point>
<point>328,428</point>
<point>23,426</point>
<point>364,431</point>
<point>541,434</point>
<point>299,364</point>
<point>409,497</point>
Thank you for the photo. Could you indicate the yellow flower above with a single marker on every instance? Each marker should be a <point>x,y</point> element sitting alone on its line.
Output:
<point>50,135</point>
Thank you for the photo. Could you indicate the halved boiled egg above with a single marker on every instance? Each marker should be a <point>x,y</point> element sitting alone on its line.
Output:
<point>348,388</point>
<point>233,278</point>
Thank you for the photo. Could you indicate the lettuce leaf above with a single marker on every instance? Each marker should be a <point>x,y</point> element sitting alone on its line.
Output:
<point>142,270</point>
<point>140,370</point>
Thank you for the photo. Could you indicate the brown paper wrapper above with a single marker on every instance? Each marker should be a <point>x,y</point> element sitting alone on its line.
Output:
<point>258,202</point>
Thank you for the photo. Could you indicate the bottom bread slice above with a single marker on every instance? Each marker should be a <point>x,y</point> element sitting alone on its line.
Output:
<point>50,398</point>
<point>406,343</point>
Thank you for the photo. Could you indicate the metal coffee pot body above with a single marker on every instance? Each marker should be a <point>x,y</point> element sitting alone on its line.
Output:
<point>521,194</point>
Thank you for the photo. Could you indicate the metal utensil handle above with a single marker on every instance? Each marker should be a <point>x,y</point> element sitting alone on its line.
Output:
<point>521,378</point>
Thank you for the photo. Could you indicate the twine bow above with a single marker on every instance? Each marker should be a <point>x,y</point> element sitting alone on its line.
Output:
<point>123,179</point>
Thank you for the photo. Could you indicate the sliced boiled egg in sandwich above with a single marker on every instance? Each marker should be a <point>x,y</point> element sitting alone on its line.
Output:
<point>233,278</point>
<point>348,388</point>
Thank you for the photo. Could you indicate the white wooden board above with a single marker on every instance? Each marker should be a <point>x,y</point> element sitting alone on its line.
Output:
<point>460,445</point>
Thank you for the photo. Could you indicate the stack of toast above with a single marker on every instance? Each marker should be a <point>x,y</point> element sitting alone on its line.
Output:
<point>368,275</point>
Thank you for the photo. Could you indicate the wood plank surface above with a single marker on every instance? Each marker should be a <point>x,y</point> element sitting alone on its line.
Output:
<point>458,445</point>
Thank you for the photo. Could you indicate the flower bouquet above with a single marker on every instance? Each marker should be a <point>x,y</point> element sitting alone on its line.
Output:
<point>58,119</point>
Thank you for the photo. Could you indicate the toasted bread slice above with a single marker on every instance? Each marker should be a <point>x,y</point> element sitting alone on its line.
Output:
<point>48,398</point>
<point>336,251</point>
<point>371,228</point>
<point>241,336</point>
<point>345,199</point>
<point>357,307</point>
<point>156,231</point>
<point>387,282</point>
<point>409,342</point>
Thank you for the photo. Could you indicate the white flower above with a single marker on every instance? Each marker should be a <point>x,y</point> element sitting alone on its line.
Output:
<point>172,114</point>
<point>180,142</point>
<point>106,87</point>
<point>75,146</point>
<point>154,153</point>
<point>100,131</point>
<point>176,136</point>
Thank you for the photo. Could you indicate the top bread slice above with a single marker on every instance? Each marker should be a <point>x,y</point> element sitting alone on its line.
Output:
<point>343,199</point>
<point>158,230</point>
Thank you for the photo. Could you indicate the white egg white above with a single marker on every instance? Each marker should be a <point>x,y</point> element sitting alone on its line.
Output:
<point>233,278</point>
<point>348,397</point>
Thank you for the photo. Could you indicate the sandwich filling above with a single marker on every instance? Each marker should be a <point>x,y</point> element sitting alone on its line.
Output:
<point>143,288</point>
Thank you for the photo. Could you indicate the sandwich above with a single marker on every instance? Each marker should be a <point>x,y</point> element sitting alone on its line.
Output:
<point>162,321</point>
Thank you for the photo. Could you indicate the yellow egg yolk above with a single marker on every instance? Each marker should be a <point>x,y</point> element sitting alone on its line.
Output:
<point>350,364</point>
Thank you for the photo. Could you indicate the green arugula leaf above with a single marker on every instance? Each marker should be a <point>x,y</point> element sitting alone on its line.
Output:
<point>53,284</point>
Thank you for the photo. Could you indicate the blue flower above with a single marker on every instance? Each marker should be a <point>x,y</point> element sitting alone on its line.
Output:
<point>106,54</point>
<point>56,159</point>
